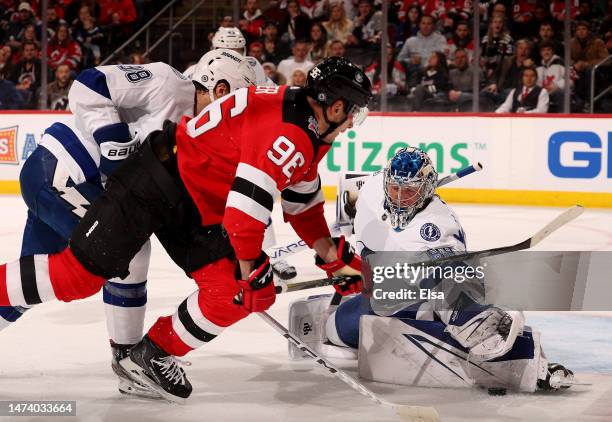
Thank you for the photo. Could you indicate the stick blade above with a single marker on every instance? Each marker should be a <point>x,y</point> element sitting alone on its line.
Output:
<point>417,413</point>
<point>564,218</point>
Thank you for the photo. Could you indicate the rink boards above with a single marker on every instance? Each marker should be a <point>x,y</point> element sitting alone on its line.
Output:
<point>528,160</point>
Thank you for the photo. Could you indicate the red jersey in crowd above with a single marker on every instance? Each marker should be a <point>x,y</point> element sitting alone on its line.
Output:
<point>522,10</point>
<point>67,53</point>
<point>236,156</point>
<point>439,9</point>
<point>442,9</point>
<point>124,8</point>
<point>557,9</point>
<point>396,77</point>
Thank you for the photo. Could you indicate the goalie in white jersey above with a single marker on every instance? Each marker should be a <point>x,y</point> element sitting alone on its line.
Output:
<point>458,342</point>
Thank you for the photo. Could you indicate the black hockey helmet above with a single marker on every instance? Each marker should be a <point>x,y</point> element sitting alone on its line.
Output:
<point>336,78</point>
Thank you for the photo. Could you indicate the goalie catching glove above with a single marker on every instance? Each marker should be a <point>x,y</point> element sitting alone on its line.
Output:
<point>258,292</point>
<point>348,263</point>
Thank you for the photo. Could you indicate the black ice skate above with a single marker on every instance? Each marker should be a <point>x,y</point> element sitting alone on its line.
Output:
<point>557,377</point>
<point>127,385</point>
<point>161,372</point>
<point>283,270</point>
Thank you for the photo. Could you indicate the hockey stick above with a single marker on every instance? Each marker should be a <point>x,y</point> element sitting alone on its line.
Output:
<point>558,222</point>
<point>406,412</point>
<point>461,173</point>
<point>299,245</point>
<point>279,252</point>
<point>311,284</point>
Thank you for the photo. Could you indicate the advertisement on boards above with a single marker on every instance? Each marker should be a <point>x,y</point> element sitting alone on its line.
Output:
<point>451,143</point>
<point>19,136</point>
<point>519,155</point>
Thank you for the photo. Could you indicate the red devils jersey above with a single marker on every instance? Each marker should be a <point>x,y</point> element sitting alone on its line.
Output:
<point>245,148</point>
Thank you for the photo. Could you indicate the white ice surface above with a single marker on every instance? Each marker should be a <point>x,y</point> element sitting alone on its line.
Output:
<point>60,351</point>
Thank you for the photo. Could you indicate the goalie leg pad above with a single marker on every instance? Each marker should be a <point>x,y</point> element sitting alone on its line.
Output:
<point>421,353</point>
<point>410,352</point>
<point>309,320</point>
<point>518,370</point>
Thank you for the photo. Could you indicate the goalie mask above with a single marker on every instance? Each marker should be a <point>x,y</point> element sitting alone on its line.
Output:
<point>223,65</point>
<point>409,182</point>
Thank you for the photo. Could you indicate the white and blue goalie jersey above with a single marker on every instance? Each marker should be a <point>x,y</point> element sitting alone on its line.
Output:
<point>434,228</point>
<point>433,233</point>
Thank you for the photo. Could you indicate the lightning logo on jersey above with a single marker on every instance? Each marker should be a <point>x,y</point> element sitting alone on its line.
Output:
<point>430,232</point>
<point>73,197</point>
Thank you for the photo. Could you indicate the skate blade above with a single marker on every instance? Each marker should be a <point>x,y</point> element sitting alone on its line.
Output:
<point>130,388</point>
<point>138,375</point>
<point>568,384</point>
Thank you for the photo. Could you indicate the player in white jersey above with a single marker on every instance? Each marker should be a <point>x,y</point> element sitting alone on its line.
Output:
<point>115,108</point>
<point>456,342</point>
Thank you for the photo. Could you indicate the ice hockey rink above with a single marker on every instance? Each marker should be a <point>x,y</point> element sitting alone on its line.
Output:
<point>60,351</point>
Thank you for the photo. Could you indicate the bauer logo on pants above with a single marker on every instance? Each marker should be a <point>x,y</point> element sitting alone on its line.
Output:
<point>8,145</point>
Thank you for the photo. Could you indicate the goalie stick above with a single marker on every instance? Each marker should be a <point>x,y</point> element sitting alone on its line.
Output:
<point>406,412</point>
<point>461,173</point>
<point>558,222</point>
<point>299,245</point>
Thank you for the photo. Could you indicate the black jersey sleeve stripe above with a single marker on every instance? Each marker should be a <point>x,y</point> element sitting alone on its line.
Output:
<point>290,195</point>
<point>251,190</point>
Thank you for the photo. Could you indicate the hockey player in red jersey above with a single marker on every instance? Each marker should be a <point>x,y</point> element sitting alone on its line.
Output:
<point>206,188</point>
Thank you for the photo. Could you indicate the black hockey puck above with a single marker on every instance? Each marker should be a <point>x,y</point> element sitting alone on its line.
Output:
<point>499,391</point>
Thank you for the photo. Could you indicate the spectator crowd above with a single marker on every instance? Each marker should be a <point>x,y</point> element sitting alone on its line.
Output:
<point>79,32</point>
<point>430,50</point>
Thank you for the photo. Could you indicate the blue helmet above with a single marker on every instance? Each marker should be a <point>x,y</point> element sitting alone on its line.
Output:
<point>409,182</point>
